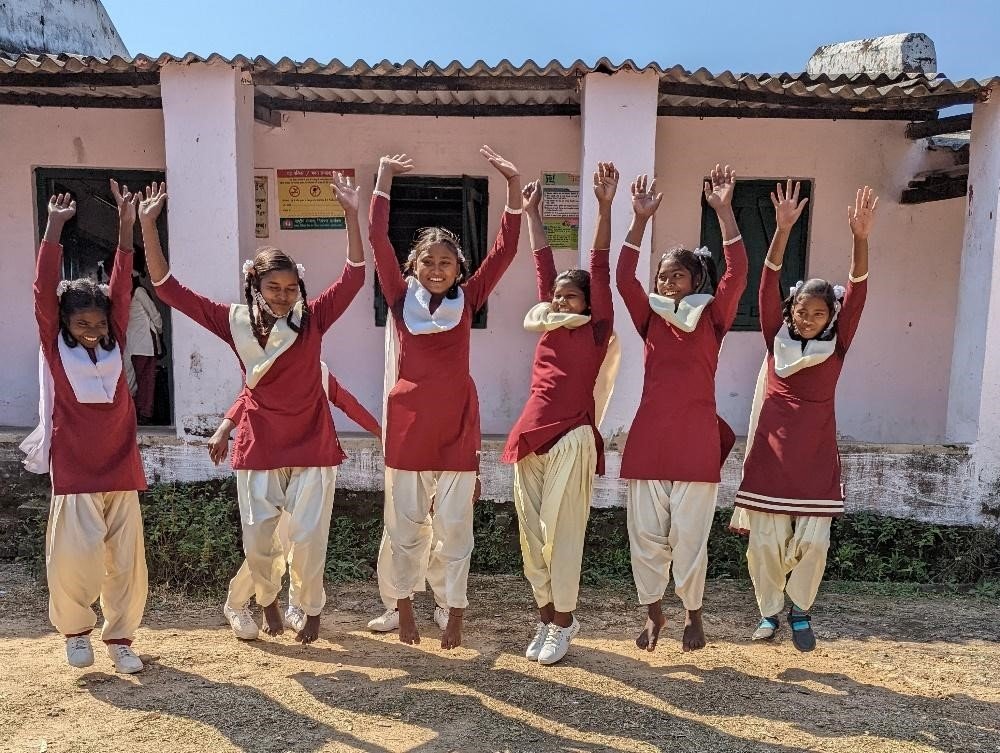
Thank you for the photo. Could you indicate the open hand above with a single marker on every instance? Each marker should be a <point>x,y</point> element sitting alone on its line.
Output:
<point>862,215</point>
<point>719,187</point>
<point>347,193</point>
<point>645,200</point>
<point>605,182</point>
<point>505,167</point>
<point>62,207</point>
<point>154,201</point>
<point>395,164</point>
<point>127,202</point>
<point>531,197</point>
<point>787,207</point>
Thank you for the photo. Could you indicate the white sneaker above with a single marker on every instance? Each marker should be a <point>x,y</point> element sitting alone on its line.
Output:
<point>535,647</point>
<point>126,660</point>
<point>241,621</point>
<point>385,623</point>
<point>441,617</point>
<point>295,618</point>
<point>79,652</point>
<point>557,642</point>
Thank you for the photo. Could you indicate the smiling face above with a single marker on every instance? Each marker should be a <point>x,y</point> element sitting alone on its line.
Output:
<point>280,288</point>
<point>674,280</point>
<point>568,298</point>
<point>88,326</point>
<point>810,315</point>
<point>437,268</point>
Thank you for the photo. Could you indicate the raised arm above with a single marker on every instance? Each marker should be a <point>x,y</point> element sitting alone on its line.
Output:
<point>486,278</point>
<point>48,267</point>
<point>787,210</point>
<point>545,266</point>
<point>386,267</point>
<point>601,307</point>
<point>332,302</point>
<point>719,195</point>
<point>120,285</point>
<point>861,217</point>
<point>645,202</point>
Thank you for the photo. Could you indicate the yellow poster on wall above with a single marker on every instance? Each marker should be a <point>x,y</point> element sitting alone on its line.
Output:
<point>561,209</point>
<point>307,202</point>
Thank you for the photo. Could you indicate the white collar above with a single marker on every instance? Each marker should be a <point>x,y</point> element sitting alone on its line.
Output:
<point>541,318</point>
<point>417,314</point>
<point>91,382</point>
<point>683,314</point>
<point>791,357</point>
<point>257,361</point>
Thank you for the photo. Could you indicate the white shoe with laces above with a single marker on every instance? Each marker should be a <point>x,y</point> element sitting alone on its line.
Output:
<point>535,647</point>
<point>242,622</point>
<point>126,660</point>
<point>385,623</point>
<point>79,651</point>
<point>441,617</point>
<point>295,618</point>
<point>557,642</point>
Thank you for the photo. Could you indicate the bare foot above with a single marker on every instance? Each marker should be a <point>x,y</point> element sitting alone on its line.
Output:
<point>310,632</point>
<point>273,624</point>
<point>655,622</point>
<point>694,631</point>
<point>452,635</point>
<point>408,632</point>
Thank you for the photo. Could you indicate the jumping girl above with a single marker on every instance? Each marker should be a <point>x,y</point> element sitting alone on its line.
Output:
<point>241,587</point>
<point>432,435</point>
<point>286,450</point>
<point>555,445</point>
<point>791,477</point>
<point>672,454</point>
<point>86,440</point>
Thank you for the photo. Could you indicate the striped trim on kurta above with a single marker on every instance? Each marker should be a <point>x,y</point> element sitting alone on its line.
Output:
<point>820,508</point>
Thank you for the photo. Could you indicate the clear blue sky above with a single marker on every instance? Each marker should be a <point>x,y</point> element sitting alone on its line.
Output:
<point>762,36</point>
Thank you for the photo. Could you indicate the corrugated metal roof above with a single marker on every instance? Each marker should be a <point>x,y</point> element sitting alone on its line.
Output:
<point>552,88</point>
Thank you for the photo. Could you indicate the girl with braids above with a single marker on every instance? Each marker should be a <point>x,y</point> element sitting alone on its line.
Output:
<point>431,420</point>
<point>86,440</point>
<point>286,451</point>
<point>555,445</point>
<point>672,455</point>
<point>791,476</point>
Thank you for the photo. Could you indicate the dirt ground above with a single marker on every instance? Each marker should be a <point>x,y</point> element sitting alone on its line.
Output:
<point>900,674</point>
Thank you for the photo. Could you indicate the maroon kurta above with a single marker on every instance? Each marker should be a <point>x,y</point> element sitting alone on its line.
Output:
<point>286,422</point>
<point>794,463</point>
<point>94,445</point>
<point>567,362</point>
<point>432,412</point>
<point>675,435</point>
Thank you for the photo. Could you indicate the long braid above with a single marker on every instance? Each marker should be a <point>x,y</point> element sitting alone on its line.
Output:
<point>248,292</point>
<point>304,321</point>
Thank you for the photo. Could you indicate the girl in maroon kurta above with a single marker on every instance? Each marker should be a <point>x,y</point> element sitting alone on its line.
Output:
<point>555,445</point>
<point>671,456</point>
<point>286,451</point>
<point>791,477</point>
<point>87,441</point>
<point>432,412</point>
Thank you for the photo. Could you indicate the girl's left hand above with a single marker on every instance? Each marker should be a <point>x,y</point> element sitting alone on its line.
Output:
<point>719,187</point>
<point>347,194</point>
<point>127,202</point>
<point>505,167</point>
<point>156,198</point>
<point>531,197</point>
<point>605,182</point>
<point>862,215</point>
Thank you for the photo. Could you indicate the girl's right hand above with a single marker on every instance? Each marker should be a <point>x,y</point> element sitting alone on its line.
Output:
<point>531,197</point>
<point>645,200</point>
<point>218,447</point>
<point>787,207</point>
<point>153,203</point>
<point>62,207</point>
<point>395,164</point>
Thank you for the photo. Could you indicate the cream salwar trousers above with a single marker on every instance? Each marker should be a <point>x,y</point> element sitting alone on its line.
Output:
<point>552,496</point>
<point>424,545</point>
<point>241,587</point>
<point>94,548</point>
<point>786,554</point>
<point>306,494</point>
<point>668,527</point>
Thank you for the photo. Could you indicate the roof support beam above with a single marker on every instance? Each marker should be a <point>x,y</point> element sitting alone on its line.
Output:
<point>936,190</point>
<point>417,83</point>
<point>57,100</point>
<point>951,124</point>
<point>63,79</point>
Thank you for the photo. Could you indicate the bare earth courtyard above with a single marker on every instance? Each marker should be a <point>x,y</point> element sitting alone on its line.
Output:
<point>891,674</point>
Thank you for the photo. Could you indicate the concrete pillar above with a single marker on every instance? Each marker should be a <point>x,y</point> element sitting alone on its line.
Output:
<point>619,125</point>
<point>208,139</point>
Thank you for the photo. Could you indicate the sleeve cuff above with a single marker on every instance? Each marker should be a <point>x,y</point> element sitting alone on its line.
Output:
<point>166,277</point>
<point>383,194</point>
<point>125,250</point>
<point>731,241</point>
<point>546,247</point>
<point>858,279</point>
<point>355,263</point>
<point>772,267</point>
<point>508,210</point>
<point>632,246</point>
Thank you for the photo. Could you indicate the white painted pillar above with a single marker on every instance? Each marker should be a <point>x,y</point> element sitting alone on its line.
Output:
<point>977,323</point>
<point>208,138</point>
<point>619,125</point>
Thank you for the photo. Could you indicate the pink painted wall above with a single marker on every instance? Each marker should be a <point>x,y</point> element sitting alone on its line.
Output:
<point>501,354</point>
<point>34,137</point>
<point>895,384</point>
